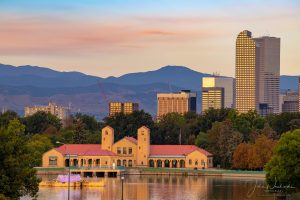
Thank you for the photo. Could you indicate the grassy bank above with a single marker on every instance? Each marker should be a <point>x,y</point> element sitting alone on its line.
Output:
<point>200,171</point>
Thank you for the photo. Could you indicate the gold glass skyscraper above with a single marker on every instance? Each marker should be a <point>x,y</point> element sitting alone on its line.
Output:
<point>246,82</point>
<point>257,73</point>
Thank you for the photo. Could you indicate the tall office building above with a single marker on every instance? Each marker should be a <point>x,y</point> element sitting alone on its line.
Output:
<point>290,102</point>
<point>182,102</point>
<point>120,107</point>
<point>268,64</point>
<point>217,92</point>
<point>257,73</point>
<point>245,73</point>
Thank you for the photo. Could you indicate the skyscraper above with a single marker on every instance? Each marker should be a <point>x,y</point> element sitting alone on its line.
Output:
<point>257,73</point>
<point>245,73</point>
<point>182,102</point>
<point>268,64</point>
<point>217,92</point>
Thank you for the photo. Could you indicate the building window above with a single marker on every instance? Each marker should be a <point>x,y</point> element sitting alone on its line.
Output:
<point>124,150</point>
<point>130,151</point>
<point>106,133</point>
<point>190,161</point>
<point>196,162</point>
<point>53,160</point>
<point>202,162</point>
<point>139,147</point>
<point>119,150</point>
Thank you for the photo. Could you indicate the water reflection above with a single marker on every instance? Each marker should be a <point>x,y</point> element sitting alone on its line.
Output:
<point>165,187</point>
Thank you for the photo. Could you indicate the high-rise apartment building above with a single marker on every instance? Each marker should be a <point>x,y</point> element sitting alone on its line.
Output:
<point>59,111</point>
<point>257,73</point>
<point>182,102</point>
<point>290,102</point>
<point>217,92</point>
<point>122,107</point>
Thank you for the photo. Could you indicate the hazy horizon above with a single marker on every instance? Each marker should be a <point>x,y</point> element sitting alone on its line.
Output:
<point>104,39</point>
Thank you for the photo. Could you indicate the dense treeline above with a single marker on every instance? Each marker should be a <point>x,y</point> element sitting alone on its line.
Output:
<point>237,141</point>
<point>219,131</point>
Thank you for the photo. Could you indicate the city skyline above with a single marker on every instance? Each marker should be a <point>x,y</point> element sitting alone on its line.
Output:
<point>88,37</point>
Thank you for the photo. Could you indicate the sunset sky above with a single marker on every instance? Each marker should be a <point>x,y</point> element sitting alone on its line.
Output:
<point>114,37</point>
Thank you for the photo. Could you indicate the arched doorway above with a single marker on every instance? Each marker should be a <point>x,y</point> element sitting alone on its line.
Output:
<point>174,163</point>
<point>159,163</point>
<point>75,162</point>
<point>97,162</point>
<point>90,162</point>
<point>167,163</point>
<point>151,163</point>
<point>182,164</point>
<point>67,163</point>
<point>129,163</point>
<point>118,162</point>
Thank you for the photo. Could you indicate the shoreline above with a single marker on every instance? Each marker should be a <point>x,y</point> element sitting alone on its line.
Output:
<point>171,172</point>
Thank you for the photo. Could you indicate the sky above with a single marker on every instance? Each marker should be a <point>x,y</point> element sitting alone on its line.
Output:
<point>115,37</point>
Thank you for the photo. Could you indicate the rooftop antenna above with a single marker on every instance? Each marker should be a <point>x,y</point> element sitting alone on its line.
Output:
<point>216,74</point>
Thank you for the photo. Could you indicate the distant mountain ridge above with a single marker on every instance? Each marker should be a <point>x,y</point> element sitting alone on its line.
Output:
<point>31,85</point>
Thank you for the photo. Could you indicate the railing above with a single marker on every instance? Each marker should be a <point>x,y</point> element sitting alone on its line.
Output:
<point>96,167</point>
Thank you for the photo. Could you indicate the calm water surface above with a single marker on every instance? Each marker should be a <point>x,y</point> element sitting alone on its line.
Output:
<point>165,188</point>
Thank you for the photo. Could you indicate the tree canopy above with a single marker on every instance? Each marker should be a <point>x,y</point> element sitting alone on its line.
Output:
<point>284,167</point>
<point>17,175</point>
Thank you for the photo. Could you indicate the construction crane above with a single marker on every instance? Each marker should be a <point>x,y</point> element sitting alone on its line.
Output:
<point>102,93</point>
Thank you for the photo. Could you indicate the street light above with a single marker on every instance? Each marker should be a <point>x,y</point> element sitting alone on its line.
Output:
<point>122,179</point>
<point>58,142</point>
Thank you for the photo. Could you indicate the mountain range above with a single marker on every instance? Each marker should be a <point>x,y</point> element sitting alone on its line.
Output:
<point>31,85</point>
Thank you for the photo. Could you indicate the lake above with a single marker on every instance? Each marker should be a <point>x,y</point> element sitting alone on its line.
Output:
<point>165,188</point>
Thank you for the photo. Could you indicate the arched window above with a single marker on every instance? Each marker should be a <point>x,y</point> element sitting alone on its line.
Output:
<point>196,162</point>
<point>190,161</point>
<point>124,163</point>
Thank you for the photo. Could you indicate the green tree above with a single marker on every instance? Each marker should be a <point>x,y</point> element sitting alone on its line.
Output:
<point>281,122</point>
<point>127,125</point>
<point>284,167</point>
<point>80,133</point>
<point>17,175</point>
<point>90,123</point>
<point>222,141</point>
<point>172,130</point>
<point>207,118</point>
<point>6,117</point>
<point>294,124</point>
<point>245,123</point>
<point>37,145</point>
<point>202,140</point>
<point>40,121</point>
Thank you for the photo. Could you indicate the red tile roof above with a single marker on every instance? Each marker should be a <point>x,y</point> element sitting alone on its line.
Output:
<point>84,150</point>
<point>131,139</point>
<point>175,150</point>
